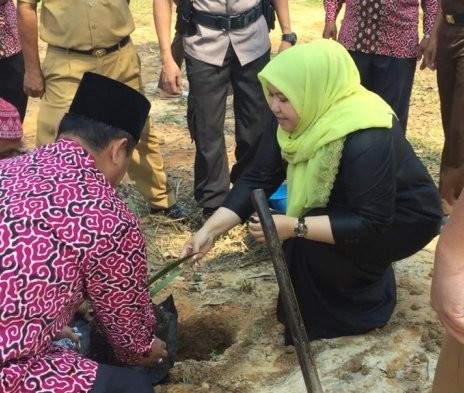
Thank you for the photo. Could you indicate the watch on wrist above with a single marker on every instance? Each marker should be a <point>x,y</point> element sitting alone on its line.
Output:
<point>290,37</point>
<point>300,228</point>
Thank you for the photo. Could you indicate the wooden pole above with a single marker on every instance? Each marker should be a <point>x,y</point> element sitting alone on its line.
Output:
<point>292,311</point>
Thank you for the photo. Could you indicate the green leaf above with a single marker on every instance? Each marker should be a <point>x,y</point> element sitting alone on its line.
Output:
<point>165,281</point>
<point>165,270</point>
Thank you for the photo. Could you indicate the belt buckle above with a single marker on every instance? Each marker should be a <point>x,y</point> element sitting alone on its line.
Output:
<point>223,23</point>
<point>99,52</point>
<point>450,19</point>
<point>236,21</point>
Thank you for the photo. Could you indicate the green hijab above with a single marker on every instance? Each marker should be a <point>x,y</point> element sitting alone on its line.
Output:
<point>322,83</point>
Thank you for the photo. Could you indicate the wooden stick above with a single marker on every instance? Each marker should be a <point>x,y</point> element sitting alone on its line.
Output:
<point>292,311</point>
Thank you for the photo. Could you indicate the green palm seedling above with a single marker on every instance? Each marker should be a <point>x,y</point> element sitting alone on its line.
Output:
<point>168,273</point>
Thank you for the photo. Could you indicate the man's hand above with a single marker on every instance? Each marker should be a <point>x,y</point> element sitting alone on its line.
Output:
<point>85,311</point>
<point>68,333</point>
<point>158,353</point>
<point>330,30</point>
<point>427,52</point>
<point>34,83</point>
<point>284,45</point>
<point>172,77</point>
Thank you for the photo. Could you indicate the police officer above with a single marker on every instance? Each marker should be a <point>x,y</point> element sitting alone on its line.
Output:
<point>226,42</point>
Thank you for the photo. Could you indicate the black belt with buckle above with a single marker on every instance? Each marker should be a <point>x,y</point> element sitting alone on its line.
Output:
<point>98,52</point>
<point>454,19</point>
<point>229,22</point>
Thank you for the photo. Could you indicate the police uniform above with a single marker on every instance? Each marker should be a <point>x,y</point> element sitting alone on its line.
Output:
<point>94,35</point>
<point>218,54</point>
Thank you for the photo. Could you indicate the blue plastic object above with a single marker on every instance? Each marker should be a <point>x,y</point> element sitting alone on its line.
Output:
<point>278,200</point>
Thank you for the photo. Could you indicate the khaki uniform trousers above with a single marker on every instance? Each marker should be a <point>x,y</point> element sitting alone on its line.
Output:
<point>449,374</point>
<point>63,71</point>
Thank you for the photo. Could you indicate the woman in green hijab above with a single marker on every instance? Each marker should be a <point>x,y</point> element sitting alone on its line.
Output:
<point>358,196</point>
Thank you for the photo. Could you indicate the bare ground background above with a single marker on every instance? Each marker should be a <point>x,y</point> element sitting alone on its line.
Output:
<point>229,339</point>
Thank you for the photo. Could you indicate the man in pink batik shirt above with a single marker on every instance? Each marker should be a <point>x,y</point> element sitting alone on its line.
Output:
<point>65,235</point>
<point>382,38</point>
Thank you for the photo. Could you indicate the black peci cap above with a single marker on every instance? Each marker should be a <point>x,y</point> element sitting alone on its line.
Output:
<point>111,102</point>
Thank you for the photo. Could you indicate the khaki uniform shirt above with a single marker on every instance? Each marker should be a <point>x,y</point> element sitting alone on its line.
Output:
<point>210,45</point>
<point>84,24</point>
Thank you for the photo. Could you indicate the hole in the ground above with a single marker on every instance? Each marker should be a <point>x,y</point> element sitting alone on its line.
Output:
<point>201,337</point>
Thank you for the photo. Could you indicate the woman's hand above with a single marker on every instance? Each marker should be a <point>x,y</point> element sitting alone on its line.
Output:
<point>200,243</point>
<point>284,226</point>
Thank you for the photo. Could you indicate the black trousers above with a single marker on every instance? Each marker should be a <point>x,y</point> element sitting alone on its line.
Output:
<point>390,77</point>
<point>208,86</point>
<point>11,82</point>
<point>132,379</point>
<point>112,379</point>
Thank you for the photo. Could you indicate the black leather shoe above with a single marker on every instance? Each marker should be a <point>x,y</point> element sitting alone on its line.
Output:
<point>176,211</point>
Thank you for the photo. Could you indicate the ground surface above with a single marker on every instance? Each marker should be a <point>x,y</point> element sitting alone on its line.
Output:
<point>229,340</point>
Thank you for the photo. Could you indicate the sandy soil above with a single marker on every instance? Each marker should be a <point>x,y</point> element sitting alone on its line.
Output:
<point>229,339</point>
